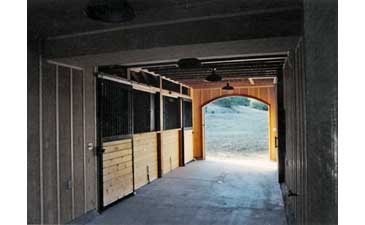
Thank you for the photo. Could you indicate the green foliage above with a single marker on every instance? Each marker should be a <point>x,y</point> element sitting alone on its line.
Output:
<point>230,102</point>
<point>259,105</point>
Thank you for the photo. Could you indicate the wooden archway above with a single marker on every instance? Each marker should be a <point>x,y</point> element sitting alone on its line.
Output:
<point>204,96</point>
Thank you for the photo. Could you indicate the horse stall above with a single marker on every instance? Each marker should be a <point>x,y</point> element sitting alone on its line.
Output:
<point>140,118</point>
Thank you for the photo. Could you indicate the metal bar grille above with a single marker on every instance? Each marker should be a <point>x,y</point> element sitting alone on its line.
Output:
<point>171,113</point>
<point>115,109</point>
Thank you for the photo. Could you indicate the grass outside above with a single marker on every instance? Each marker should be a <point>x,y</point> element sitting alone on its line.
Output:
<point>237,132</point>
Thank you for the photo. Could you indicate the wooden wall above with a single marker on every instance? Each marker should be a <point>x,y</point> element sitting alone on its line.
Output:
<point>170,147</point>
<point>117,170</point>
<point>295,157</point>
<point>61,123</point>
<point>188,146</point>
<point>203,96</point>
<point>145,158</point>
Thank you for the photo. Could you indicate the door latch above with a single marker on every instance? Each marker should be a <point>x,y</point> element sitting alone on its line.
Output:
<point>292,194</point>
<point>100,150</point>
<point>69,184</point>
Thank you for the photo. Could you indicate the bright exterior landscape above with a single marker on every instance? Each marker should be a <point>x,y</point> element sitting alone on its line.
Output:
<point>237,128</point>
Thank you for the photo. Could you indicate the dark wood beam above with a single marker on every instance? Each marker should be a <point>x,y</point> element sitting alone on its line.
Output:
<point>284,23</point>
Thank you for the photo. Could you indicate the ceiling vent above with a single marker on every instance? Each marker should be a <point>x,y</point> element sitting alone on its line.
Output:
<point>213,77</point>
<point>111,11</point>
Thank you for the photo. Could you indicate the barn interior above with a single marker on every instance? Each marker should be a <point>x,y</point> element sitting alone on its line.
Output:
<point>115,96</point>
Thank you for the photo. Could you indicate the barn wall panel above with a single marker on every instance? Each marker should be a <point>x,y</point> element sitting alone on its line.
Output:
<point>78,142</point>
<point>33,136</point>
<point>64,76</point>
<point>49,139</point>
<point>61,121</point>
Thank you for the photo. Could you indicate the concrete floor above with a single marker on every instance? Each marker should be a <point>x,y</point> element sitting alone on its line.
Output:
<point>205,192</point>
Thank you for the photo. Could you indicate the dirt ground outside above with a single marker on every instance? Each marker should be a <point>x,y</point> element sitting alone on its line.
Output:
<point>238,133</point>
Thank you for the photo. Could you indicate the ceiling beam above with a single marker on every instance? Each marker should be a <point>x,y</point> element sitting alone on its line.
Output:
<point>176,34</point>
<point>252,82</point>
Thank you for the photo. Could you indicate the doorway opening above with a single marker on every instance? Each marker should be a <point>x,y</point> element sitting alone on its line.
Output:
<point>236,128</point>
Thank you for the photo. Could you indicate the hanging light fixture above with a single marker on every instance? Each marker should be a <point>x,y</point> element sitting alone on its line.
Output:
<point>227,87</point>
<point>111,11</point>
<point>213,77</point>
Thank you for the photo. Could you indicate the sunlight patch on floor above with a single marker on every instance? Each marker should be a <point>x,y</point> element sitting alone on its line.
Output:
<point>253,163</point>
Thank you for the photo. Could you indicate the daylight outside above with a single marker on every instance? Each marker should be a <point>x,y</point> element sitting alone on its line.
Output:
<point>236,128</point>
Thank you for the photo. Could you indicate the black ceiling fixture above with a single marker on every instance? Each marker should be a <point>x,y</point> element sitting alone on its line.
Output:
<point>228,87</point>
<point>213,77</point>
<point>189,63</point>
<point>111,11</point>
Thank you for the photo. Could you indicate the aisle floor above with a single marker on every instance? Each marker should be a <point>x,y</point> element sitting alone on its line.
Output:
<point>202,193</point>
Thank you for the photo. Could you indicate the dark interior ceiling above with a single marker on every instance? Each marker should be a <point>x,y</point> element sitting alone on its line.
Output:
<point>237,70</point>
<point>163,23</point>
<point>51,18</point>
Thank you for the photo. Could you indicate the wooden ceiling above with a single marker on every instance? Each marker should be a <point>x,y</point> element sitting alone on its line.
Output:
<point>245,71</point>
<point>238,71</point>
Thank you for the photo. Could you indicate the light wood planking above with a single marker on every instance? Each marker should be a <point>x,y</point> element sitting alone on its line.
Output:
<point>117,170</point>
<point>145,158</point>
<point>188,146</point>
<point>197,124</point>
<point>169,150</point>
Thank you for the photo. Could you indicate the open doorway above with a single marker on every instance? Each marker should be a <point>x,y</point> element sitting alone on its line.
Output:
<point>236,128</point>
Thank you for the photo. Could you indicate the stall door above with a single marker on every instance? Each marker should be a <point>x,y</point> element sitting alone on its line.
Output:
<point>115,153</point>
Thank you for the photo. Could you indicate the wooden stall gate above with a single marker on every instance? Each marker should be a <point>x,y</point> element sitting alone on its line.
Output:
<point>145,158</point>
<point>115,145</point>
<point>188,146</point>
<point>170,148</point>
<point>117,170</point>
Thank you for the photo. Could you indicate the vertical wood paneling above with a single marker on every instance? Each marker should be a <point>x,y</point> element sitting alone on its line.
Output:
<point>236,91</point>
<point>90,172</point>
<point>264,94</point>
<point>64,143</point>
<point>243,91</point>
<point>205,96</point>
<point>215,93</point>
<point>78,142</point>
<point>49,144</point>
<point>33,140</point>
<point>197,123</point>
<point>253,92</point>
<point>273,123</point>
<point>295,170</point>
<point>61,121</point>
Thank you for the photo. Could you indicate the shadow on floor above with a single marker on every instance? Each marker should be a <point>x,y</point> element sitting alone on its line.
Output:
<point>205,192</point>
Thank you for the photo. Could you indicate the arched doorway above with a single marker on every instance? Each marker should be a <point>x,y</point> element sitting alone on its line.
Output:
<point>236,128</point>
<point>204,96</point>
